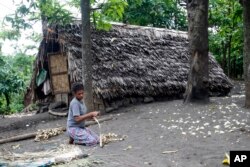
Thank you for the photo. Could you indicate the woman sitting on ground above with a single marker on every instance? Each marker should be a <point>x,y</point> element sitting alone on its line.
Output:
<point>77,115</point>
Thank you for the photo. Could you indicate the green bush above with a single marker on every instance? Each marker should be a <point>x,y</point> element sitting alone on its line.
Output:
<point>15,75</point>
<point>17,103</point>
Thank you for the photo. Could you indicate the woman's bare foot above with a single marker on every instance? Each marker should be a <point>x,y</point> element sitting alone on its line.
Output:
<point>71,140</point>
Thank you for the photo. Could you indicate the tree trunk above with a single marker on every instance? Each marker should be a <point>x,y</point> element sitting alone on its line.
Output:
<point>197,86</point>
<point>86,55</point>
<point>246,21</point>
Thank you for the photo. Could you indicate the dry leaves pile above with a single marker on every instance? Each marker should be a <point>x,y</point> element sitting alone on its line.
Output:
<point>60,150</point>
<point>110,137</point>
<point>47,133</point>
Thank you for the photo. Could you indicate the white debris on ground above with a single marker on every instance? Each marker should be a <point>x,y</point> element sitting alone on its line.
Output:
<point>225,119</point>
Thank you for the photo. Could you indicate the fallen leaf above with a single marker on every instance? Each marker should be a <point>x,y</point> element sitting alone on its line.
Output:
<point>128,148</point>
<point>15,146</point>
<point>226,160</point>
<point>147,163</point>
<point>169,152</point>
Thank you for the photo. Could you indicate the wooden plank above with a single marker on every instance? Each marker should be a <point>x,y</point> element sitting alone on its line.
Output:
<point>60,83</point>
<point>59,73</point>
<point>58,63</point>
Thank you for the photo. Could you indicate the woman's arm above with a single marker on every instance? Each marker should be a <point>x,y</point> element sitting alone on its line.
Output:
<point>84,117</point>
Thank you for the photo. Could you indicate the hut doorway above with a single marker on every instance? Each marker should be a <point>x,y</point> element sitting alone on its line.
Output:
<point>59,76</point>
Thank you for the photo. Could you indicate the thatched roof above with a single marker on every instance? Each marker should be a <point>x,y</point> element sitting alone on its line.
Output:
<point>137,61</point>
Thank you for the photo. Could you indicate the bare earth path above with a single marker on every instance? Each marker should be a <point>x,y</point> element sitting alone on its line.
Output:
<point>196,135</point>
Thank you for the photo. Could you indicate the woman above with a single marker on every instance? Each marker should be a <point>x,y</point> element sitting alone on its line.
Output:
<point>77,115</point>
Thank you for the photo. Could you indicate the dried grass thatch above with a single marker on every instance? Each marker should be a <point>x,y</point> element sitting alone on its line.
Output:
<point>61,154</point>
<point>134,61</point>
<point>137,61</point>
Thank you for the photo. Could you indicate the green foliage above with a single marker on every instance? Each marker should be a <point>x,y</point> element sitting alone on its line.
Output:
<point>10,82</point>
<point>23,64</point>
<point>9,34</point>
<point>15,74</point>
<point>76,3</point>
<point>114,9</point>
<point>99,22</point>
<point>32,11</point>
<point>36,37</point>
<point>9,78</point>
<point>104,12</point>
<point>157,13</point>
<point>226,35</point>
<point>3,108</point>
<point>17,102</point>
<point>54,11</point>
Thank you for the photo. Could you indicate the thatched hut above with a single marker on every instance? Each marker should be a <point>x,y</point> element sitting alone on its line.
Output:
<point>131,63</point>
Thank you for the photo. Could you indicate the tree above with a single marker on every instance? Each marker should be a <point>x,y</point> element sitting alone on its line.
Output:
<point>10,81</point>
<point>102,12</point>
<point>55,11</point>
<point>246,20</point>
<point>157,13</point>
<point>226,35</point>
<point>15,75</point>
<point>197,86</point>
<point>48,11</point>
<point>86,54</point>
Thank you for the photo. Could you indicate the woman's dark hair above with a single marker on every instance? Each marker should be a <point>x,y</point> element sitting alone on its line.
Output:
<point>77,86</point>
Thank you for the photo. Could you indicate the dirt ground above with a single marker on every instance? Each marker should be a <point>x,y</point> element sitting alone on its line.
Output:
<point>159,134</point>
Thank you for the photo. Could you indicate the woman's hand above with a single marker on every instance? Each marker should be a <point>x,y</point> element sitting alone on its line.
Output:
<point>87,116</point>
<point>95,113</point>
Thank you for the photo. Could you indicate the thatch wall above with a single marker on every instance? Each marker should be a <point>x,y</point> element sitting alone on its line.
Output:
<point>133,61</point>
